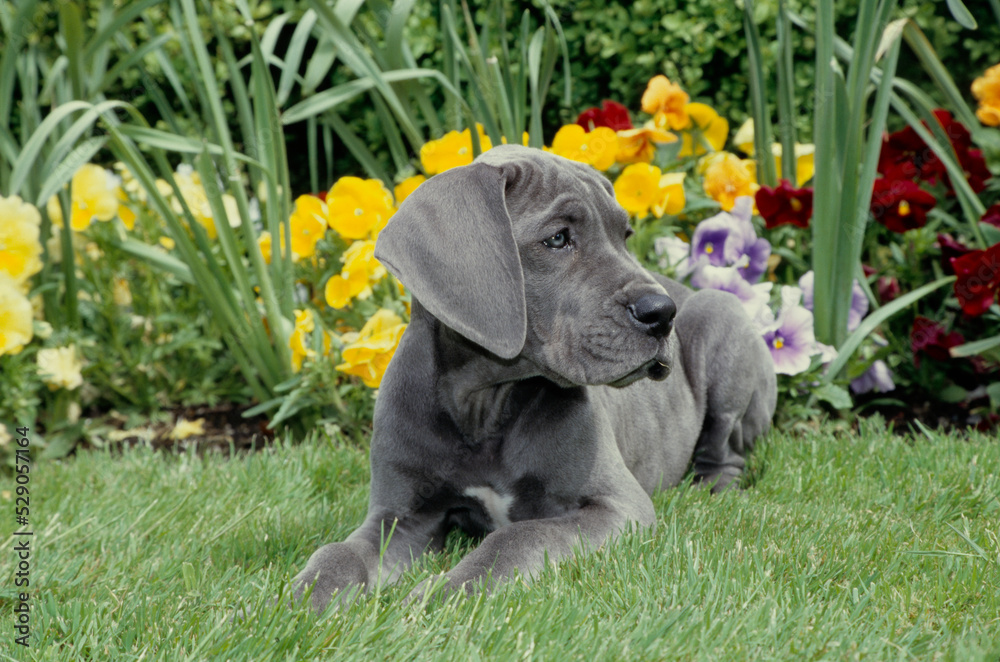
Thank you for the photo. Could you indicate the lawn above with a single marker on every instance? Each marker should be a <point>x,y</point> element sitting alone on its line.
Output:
<point>844,546</point>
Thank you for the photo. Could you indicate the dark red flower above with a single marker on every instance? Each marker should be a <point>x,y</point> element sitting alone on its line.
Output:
<point>992,216</point>
<point>905,155</point>
<point>785,205</point>
<point>321,195</point>
<point>974,165</point>
<point>900,205</point>
<point>978,279</point>
<point>611,114</point>
<point>950,249</point>
<point>887,287</point>
<point>929,337</point>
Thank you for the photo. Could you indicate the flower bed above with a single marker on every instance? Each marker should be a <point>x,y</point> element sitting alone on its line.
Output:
<point>134,336</point>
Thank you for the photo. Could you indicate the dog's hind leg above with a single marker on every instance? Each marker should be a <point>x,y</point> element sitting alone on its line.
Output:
<point>734,375</point>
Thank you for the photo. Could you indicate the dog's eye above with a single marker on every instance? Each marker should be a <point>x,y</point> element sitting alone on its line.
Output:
<point>558,240</point>
<point>628,233</point>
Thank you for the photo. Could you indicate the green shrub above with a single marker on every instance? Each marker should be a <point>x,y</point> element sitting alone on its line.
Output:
<point>701,44</point>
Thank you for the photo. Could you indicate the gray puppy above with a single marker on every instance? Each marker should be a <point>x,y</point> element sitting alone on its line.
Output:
<point>517,405</point>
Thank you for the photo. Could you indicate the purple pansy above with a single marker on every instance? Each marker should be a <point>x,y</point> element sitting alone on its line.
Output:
<point>859,302</point>
<point>791,341</point>
<point>878,377</point>
<point>729,279</point>
<point>728,239</point>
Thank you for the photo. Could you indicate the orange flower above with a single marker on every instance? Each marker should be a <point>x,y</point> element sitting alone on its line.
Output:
<point>986,89</point>
<point>665,101</point>
<point>726,178</point>
<point>639,145</point>
<point>597,148</point>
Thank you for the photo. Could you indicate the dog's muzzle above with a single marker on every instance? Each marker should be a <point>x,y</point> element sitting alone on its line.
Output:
<point>654,314</point>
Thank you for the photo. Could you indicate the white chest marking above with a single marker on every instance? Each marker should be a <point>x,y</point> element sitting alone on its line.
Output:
<point>495,504</point>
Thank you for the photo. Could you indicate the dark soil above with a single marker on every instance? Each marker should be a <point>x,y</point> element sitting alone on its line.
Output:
<point>224,430</point>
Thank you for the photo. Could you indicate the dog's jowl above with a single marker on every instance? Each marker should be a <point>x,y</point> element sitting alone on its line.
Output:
<point>547,384</point>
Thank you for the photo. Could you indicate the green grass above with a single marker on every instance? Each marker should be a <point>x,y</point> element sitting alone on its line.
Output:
<point>862,546</point>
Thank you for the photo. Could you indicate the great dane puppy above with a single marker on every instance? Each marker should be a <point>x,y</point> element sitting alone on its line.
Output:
<point>547,384</point>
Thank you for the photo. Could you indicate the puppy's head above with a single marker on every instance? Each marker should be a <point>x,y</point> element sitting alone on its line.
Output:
<point>523,253</point>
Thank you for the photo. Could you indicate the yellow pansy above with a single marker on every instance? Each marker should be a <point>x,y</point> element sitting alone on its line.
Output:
<point>93,194</point>
<point>20,247</point>
<point>666,102</point>
<point>307,225</point>
<point>359,208</point>
<point>264,243</point>
<point>369,354</point>
<point>639,145</point>
<point>298,341</point>
<point>642,188</point>
<point>805,161</point>
<point>597,148</point>
<point>185,428</point>
<point>15,316</point>
<point>59,367</point>
<point>743,140</point>
<point>451,150</point>
<point>672,198</point>
<point>705,121</point>
<point>403,189</point>
<point>194,196</point>
<point>986,89</point>
<point>121,293</point>
<point>125,212</point>
<point>726,177</point>
<point>525,139</point>
<point>342,287</point>
<point>361,269</point>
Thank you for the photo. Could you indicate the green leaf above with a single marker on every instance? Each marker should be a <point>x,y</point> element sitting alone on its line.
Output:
<point>975,347</point>
<point>31,152</point>
<point>762,135</point>
<point>158,258</point>
<point>961,14</point>
<point>991,233</point>
<point>835,395</point>
<point>993,390</point>
<point>952,393</point>
<point>61,175</point>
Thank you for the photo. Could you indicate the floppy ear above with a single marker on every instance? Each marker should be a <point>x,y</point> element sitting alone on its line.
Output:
<point>452,245</point>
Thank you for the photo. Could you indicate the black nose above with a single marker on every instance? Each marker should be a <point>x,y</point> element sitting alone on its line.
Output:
<point>655,313</point>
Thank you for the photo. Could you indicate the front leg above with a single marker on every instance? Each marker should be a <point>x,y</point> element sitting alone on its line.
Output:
<point>524,545</point>
<point>377,553</point>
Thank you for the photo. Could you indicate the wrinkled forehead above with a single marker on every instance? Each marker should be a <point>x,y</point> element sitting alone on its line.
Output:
<point>538,181</point>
